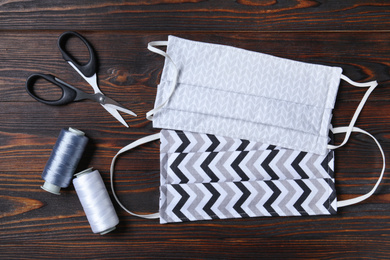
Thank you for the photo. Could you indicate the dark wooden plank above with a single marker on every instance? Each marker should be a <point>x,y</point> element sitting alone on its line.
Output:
<point>195,15</point>
<point>323,237</point>
<point>332,248</point>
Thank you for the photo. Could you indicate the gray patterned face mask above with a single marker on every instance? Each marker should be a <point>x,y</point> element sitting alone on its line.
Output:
<point>227,91</point>
<point>217,98</point>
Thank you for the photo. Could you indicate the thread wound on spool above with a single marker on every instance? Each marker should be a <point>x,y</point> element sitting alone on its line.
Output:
<point>96,202</point>
<point>63,160</point>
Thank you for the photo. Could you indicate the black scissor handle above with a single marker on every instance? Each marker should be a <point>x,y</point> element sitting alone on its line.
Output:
<point>89,68</point>
<point>68,94</point>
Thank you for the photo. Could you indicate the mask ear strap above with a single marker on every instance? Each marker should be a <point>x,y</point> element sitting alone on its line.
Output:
<point>372,85</point>
<point>152,47</point>
<point>128,147</point>
<point>343,203</point>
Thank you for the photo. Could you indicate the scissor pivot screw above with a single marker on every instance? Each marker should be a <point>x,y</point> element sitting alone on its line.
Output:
<point>101,99</point>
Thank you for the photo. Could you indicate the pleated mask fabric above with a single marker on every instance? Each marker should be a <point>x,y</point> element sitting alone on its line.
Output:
<point>228,91</point>
<point>206,177</point>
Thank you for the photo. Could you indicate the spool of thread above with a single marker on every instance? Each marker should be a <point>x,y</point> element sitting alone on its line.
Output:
<point>63,160</point>
<point>96,202</point>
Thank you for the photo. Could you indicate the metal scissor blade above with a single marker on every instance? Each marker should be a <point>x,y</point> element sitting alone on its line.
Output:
<point>114,112</point>
<point>91,80</point>
<point>122,109</point>
<point>117,106</point>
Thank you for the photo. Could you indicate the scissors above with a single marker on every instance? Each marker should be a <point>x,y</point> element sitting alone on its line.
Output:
<point>71,93</point>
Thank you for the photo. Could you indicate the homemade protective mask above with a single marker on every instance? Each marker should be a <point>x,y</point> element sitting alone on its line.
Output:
<point>212,177</point>
<point>200,182</point>
<point>255,134</point>
<point>227,91</point>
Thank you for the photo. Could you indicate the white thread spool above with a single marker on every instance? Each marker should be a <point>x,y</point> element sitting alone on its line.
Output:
<point>63,160</point>
<point>96,202</point>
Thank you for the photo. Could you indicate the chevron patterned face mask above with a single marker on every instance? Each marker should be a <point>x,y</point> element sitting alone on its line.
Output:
<point>216,98</point>
<point>214,177</point>
<point>206,177</point>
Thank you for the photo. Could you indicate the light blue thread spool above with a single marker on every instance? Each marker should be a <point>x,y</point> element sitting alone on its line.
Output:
<point>63,160</point>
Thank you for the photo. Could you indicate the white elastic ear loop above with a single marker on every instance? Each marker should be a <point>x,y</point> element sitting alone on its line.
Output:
<point>348,202</point>
<point>128,147</point>
<point>152,48</point>
<point>372,85</point>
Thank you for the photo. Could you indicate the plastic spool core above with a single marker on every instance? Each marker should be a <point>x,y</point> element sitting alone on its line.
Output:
<point>107,231</point>
<point>51,188</point>
<point>76,131</point>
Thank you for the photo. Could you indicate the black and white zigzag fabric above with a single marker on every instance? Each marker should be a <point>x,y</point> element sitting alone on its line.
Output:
<point>205,177</point>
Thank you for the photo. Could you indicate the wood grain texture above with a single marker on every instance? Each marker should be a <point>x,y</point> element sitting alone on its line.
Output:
<point>35,224</point>
<point>195,15</point>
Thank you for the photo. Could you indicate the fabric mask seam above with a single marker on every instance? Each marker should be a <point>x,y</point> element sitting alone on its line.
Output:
<point>330,153</point>
<point>250,150</point>
<point>281,144</point>
<point>168,168</point>
<point>228,118</point>
<point>169,143</point>
<point>238,49</point>
<point>164,175</point>
<point>273,210</point>
<point>328,97</point>
<point>328,160</point>
<point>259,180</point>
<point>328,180</point>
<point>164,214</point>
<point>245,215</point>
<point>245,94</point>
<point>297,179</point>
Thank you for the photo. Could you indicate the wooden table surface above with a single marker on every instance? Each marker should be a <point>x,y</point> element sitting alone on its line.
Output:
<point>354,35</point>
